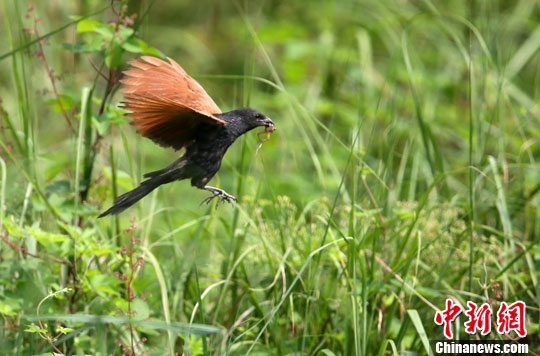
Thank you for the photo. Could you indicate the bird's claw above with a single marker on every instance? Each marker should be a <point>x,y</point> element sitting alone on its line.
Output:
<point>221,195</point>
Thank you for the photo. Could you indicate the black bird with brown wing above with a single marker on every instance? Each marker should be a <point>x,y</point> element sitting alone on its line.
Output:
<point>173,110</point>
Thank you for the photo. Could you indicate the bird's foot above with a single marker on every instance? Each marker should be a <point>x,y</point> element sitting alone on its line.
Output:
<point>220,194</point>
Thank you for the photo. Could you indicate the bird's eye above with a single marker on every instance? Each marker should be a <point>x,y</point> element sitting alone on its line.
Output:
<point>258,116</point>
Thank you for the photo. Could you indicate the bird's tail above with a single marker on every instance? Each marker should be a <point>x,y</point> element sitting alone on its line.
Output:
<point>176,166</point>
<point>126,200</point>
<point>156,173</point>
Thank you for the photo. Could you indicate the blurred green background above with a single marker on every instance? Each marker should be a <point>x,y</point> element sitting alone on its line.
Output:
<point>402,172</point>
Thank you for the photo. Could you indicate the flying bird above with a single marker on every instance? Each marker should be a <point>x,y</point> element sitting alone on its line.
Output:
<point>173,110</point>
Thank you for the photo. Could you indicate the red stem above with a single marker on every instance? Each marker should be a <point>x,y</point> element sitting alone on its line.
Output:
<point>53,82</point>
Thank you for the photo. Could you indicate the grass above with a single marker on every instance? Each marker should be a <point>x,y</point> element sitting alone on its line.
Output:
<point>403,172</point>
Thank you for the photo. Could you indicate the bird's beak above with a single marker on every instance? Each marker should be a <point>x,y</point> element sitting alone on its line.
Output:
<point>269,124</point>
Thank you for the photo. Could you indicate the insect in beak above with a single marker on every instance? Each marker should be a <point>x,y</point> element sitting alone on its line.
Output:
<point>271,127</point>
<point>266,131</point>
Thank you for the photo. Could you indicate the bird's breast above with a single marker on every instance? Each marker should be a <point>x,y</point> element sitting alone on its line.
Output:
<point>208,151</point>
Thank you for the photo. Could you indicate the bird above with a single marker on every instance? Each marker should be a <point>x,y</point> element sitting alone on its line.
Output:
<point>172,109</point>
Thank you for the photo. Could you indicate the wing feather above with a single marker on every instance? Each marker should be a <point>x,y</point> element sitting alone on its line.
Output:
<point>165,103</point>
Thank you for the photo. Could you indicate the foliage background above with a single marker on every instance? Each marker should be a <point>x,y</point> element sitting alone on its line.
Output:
<point>403,172</point>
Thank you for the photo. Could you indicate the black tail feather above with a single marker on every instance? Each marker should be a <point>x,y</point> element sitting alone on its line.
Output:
<point>155,173</point>
<point>175,166</point>
<point>126,200</point>
<point>175,171</point>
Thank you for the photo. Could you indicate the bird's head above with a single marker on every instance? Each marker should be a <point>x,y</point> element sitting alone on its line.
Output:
<point>254,118</point>
<point>246,119</point>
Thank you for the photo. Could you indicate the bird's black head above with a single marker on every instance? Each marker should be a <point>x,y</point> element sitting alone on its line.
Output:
<point>245,119</point>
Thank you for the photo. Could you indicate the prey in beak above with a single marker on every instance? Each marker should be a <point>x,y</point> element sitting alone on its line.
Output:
<point>268,128</point>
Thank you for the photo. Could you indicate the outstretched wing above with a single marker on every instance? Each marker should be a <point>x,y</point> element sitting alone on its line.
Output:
<point>165,103</point>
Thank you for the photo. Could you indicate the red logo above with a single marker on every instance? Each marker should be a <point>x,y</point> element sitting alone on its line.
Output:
<point>511,317</point>
<point>479,319</point>
<point>447,316</point>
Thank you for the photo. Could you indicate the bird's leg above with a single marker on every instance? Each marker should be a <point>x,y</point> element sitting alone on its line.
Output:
<point>220,193</point>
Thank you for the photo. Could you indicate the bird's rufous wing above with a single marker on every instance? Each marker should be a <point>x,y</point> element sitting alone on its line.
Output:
<point>165,103</point>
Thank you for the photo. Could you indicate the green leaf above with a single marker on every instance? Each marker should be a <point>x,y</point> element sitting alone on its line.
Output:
<point>103,282</point>
<point>33,328</point>
<point>58,162</point>
<point>58,186</point>
<point>384,345</point>
<point>63,330</point>
<point>98,250</point>
<point>46,238</point>
<point>194,344</point>
<point>122,178</point>
<point>136,45</point>
<point>88,25</point>
<point>106,31</point>
<point>102,122</point>
<point>10,306</point>
<point>116,55</point>
<point>13,228</point>
<point>124,33</point>
<point>140,309</point>
<point>100,125</point>
<point>133,45</point>
<point>67,103</point>
<point>417,322</point>
<point>94,44</point>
